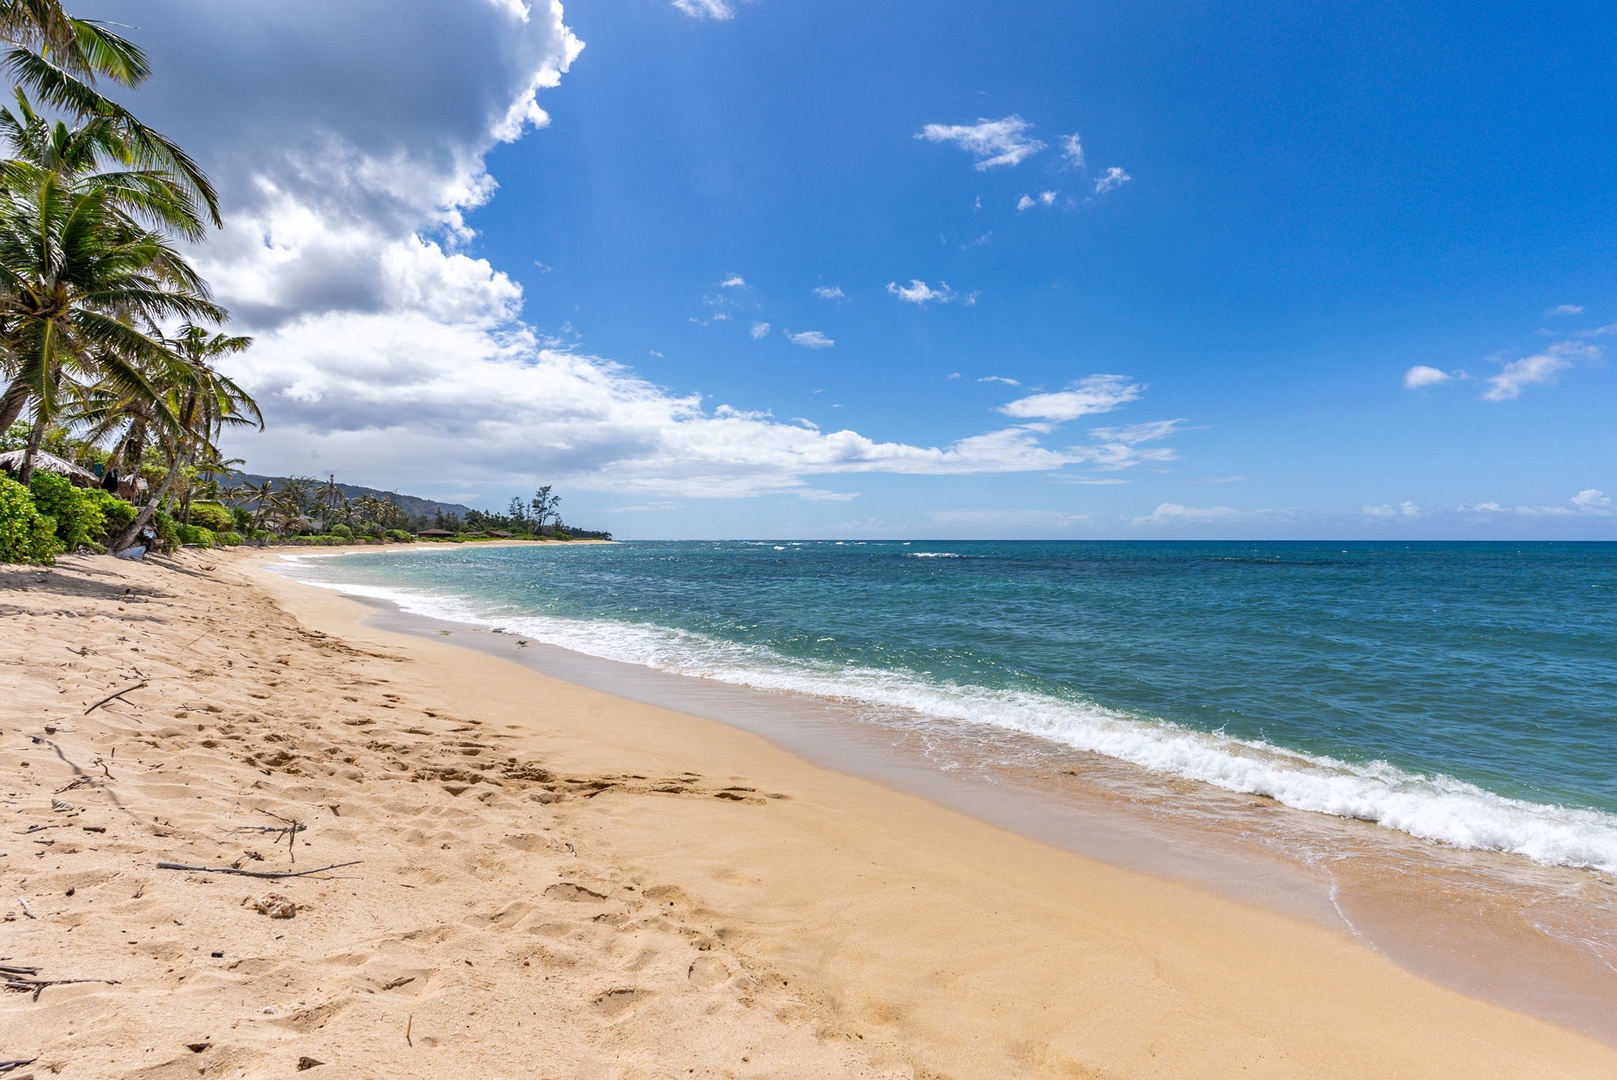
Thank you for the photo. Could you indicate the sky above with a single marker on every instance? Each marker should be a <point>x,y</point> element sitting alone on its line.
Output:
<point>941,269</point>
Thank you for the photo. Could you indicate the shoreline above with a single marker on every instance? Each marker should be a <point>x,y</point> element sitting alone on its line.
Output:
<point>1533,938</point>
<point>653,889</point>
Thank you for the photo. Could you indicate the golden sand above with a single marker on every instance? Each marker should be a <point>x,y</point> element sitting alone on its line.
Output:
<point>550,881</point>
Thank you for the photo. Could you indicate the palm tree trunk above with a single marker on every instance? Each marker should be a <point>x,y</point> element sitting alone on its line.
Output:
<point>35,437</point>
<point>127,537</point>
<point>11,404</point>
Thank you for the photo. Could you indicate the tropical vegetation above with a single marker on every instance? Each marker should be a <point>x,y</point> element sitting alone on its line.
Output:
<point>108,335</point>
<point>111,345</point>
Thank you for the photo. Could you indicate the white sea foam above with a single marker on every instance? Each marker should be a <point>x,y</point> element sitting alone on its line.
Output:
<point>934,555</point>
<point>1433,807</point>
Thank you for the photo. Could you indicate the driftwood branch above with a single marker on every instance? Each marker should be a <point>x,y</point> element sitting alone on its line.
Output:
<point>114,697</point>
<point>38,985</point>
<point>253,873</point>
<point>12,1066</point>
<point>7,969</point>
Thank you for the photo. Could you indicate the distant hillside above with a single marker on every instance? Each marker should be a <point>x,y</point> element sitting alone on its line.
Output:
<point>410,504</point>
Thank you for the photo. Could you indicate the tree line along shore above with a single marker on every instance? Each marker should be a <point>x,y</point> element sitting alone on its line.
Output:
<point>67,506</point>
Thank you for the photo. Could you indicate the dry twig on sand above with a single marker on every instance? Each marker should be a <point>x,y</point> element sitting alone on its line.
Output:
<point>253,873</point>
<point>113,697</point>
<point>38,985</point>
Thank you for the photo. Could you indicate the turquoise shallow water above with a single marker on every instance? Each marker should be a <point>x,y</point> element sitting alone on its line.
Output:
<point>1465,693</point>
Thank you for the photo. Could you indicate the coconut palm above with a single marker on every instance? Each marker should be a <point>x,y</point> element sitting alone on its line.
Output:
<point>76,273</point>
<point>60,58</point>
<point>202,402</point>
<point>89,158</point>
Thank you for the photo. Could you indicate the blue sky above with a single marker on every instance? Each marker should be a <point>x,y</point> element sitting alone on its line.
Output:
<point>923,269</point>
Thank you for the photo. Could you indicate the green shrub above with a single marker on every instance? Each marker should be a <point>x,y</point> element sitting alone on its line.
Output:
<point>260,536</point>
<point>26,535</point>
<point>195,534</point>
<point>78,514</point>
<point>399,536</point>
<point>168,531</point>
<point>213,516</point>
<point>242,519</point>
<point>114,511</point>
<point>340,530</point>
<point>229,538</point>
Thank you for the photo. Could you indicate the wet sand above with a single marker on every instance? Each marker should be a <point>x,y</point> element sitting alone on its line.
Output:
<point>555,881</point>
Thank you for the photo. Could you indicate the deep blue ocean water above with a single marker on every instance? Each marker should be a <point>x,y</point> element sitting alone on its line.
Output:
<point>1464,693</point>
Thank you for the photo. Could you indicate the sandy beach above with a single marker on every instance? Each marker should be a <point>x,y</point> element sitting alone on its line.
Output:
<point>542,880</point>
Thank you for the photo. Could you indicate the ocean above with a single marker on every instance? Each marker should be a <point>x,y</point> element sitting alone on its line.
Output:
<point>1464,694</point>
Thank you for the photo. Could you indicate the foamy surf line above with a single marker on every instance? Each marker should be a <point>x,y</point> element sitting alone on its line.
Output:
<point>1437,808</point>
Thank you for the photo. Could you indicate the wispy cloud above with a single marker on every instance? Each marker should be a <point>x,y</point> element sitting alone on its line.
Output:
<point>809,339</point>
<point>922,294</point>
<point>1537,369</point>
<point>830,292</point>
<point>991,142</point>
<point>1590,502</point>
<point>1132,434</point>
<point>1086,396</point>
<point>1565,309</point>
<point>1112,178</point>
<point>1402,510</point>
<point>1174,514</point>
<point>1072,151</point>
<point>760,330</point>
<point>707,9</point>
<point>999,379</point>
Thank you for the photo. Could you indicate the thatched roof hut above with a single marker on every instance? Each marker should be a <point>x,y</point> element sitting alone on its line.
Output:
<point>11,461</point>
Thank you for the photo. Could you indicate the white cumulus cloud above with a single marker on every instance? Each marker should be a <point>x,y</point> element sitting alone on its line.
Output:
<point>921,294</point>
<point>734,281</point>
<point>810,339</point>
<point>991,142</point>
<point>1402,510</point>
<point>1422,375</point>
<point>760,330</point>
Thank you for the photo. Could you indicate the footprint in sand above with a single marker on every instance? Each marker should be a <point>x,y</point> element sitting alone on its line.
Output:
<point>578,894</point>
<point>617,1002</point>
<point>707,972</point>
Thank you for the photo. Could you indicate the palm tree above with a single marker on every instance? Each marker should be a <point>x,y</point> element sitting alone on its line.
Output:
<point>60,57</point>
<point>203,402</point>
<point>259,496</point>
<point>85,160</point>
<point>75,274</point>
